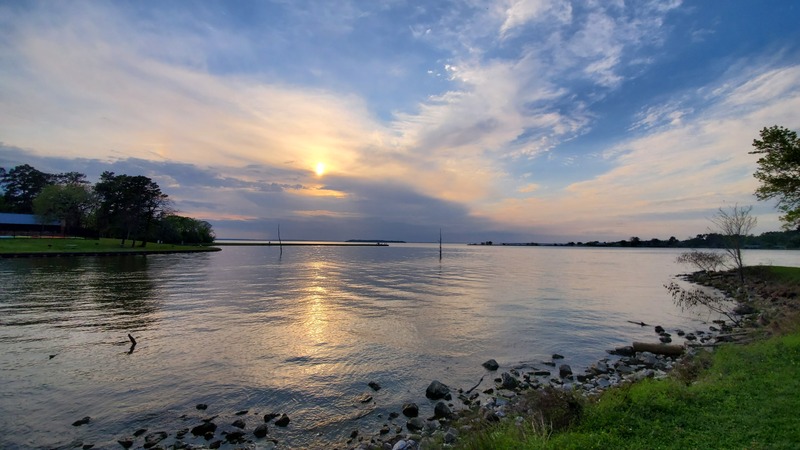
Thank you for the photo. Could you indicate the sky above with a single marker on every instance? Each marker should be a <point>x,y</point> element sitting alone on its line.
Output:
<point>505,120</point>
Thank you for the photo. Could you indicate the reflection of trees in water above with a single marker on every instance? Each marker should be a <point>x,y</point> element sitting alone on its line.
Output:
<point>125,289</point>
<point>112,292</point>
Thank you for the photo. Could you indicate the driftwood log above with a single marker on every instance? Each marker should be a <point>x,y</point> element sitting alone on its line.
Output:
<point>658,349</point>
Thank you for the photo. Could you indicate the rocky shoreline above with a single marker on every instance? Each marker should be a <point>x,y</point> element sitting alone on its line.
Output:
<point>496,396</point>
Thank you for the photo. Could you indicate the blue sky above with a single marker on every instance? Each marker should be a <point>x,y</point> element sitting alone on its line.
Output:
<point>507,120</point>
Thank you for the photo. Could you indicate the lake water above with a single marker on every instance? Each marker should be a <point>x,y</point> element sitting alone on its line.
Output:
<point>303,332</point>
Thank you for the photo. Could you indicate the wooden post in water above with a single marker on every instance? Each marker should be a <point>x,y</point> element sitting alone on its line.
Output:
<point>440,244</point>
<point>280,243</point>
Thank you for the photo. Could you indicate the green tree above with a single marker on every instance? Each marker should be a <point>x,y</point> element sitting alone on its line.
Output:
<point>21,184</point>
<point>779,171</point>
<point>68,203</point>
<point>174,229</point>
<point>128,206</point>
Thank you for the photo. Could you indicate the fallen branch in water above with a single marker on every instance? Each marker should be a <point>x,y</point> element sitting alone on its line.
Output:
<point>641,324</point>
<point>473,387</point>
<point>133,343</point>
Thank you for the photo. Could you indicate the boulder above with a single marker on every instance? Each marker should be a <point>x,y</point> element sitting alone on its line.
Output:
<point>437,390</point>
<point>415,424</point>
<point>80,422</point>
<point>154,438</point>
<point>261,431</point>
<point>410,410</point>
<point>235,437</point>
<point>282,421</point>
<point>442,411</point>
<point>239,423</point>
<point>270,416</point>
<point>126,442</point>
<point>491,365</point>
<point>626,350</point>
<point>557,356</point>
<point>202,429</point>
<point>374,385</point>
<point>507,381</point>
<point>564,370</point>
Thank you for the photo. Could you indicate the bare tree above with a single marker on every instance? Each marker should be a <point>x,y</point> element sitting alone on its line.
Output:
<point>705,261</point>
<point>735,224</point>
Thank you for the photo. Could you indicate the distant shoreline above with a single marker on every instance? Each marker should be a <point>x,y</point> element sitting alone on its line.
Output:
<point>301,244</point>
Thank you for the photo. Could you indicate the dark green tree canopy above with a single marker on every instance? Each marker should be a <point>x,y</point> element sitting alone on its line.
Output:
<point>21,184</point>
<point>779,171</point>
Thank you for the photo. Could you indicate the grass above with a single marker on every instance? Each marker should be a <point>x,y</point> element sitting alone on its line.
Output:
<point>741,396</point>
<point>76,245</point>
<point>748,398</point>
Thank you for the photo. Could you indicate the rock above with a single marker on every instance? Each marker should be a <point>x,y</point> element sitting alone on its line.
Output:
<point>450,436</point>
<point>215,444</point>
<point>282,421</point>
<point>442,411</point>
<point>415,424</point>
<point>180,434</point>
<point>384,430</point>
<point>541,373</point>
<point>80,422</point>
<point>508,382</point>
<point>599,367</point>
<point>437,390</point>
<point>126,442</point>
<point>665,339</point>
<point>691,337</point>
<point>491,416</point>
<point>270,416</point>
<point>394,415</point>
<point>374,385</point>
<point>353,434</point>
<point>201,406</point>
<point>405,444</point>
<point>680,332</point>
<point>564,370</point>
<point>154,438</point>
<point>603,383</point>
<point>491,365</point>
<point>626,350</point>
<point>743,309</point>
<point>140,432</point>
<point>261,431</point>
<point>241,413</point>
<point>659,329</point>
<point>624,369</point>
<point>239,423</point>
<point>203,429</point>
<point>557,356</point>
<point>235,437</point>
<point>410,410</point>
<point>364,398</point>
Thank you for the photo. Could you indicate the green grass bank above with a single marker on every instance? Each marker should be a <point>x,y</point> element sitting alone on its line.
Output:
<point>74,246</point>
<point>738,397</point>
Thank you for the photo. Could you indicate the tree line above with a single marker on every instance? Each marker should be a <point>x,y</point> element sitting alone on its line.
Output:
<point>126,207</point>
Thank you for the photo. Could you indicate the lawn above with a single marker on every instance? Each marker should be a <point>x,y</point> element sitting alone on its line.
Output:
<point>77,245</point>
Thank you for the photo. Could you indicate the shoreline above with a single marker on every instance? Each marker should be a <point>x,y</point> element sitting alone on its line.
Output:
<point>104,253</point>
<point>398,426</point>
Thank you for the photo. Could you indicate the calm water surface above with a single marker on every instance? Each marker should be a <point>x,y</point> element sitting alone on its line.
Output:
<point>303,333</point>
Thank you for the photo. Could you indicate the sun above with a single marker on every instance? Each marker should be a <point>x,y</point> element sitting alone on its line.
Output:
<point>320,169</point>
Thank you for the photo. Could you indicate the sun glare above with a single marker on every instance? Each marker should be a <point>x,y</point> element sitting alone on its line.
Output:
<point>320,169</point>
